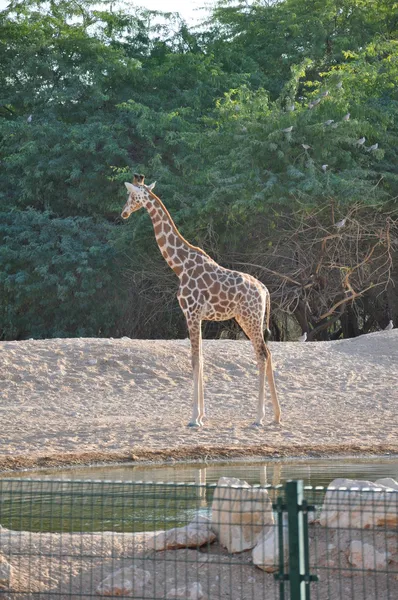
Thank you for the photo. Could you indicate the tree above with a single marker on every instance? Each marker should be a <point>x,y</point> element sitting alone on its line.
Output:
<point>58,277</point>
<point>243,122</point>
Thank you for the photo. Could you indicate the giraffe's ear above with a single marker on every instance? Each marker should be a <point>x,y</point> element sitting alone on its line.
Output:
<point>150,187</point>
<point>129,186</point>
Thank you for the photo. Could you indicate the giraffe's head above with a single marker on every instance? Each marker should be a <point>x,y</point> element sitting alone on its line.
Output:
<point>138,179</point>
<point>138,194</point>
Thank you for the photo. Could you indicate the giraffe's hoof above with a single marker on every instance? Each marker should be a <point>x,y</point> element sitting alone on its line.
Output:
<point>256,424</point>
<point>194,424</point>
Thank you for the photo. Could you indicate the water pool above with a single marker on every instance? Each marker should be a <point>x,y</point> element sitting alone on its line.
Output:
<point>120,498</point>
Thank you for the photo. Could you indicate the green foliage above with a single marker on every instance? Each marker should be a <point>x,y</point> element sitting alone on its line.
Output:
<point>111,91</point>
<point>256,167</point>
<point>274,36</point>
<point>57,276</point>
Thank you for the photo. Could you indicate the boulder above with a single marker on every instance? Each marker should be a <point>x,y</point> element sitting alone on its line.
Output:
<point>202,521</point>
<point>6,573</point>
<point>191,592</point>
<point>365,556</point>
<point>356,504</point>
<point>196,534</point>
<point>124,582</point>
<point>387,482</point>
<point>265,554</point>
<point>240,513</point>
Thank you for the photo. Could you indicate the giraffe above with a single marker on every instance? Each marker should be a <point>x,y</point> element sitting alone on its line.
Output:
<point>208,291</point>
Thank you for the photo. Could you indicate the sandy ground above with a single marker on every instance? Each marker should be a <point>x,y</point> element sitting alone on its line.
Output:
<point>81,400</point>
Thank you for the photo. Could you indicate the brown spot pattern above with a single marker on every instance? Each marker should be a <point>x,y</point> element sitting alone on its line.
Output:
<point>210,292</point>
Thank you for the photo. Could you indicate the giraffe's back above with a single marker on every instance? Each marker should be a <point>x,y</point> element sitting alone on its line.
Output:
<point>217,294</point>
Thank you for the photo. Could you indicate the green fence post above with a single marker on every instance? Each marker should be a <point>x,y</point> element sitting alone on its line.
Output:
<point>281,576</point>
<point>294,499</point>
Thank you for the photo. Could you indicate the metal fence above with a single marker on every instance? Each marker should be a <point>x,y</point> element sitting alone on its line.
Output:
<point>231,541</point>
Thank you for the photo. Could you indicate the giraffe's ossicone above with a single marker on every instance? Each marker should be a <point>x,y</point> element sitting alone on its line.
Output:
<point>210,292</point>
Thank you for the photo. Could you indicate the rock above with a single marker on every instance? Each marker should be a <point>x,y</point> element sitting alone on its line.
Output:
<point>124,582</point>
<point>240,513</point>
<point>365,556</point>
<point>193,535</point>
<point>201,520</point>
<point>369,505</point>
<point>325,555</point>
<point>390,544</point>
<point>265,555</point>
<point>312,516</point>
<point>6,573</point>
<point>388,482</point>
<point>191,592</point>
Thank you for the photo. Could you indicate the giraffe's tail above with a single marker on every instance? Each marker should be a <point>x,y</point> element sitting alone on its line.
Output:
<point>267,331</point>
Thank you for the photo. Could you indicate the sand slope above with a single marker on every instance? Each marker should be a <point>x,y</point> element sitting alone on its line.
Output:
<point>98,396</point>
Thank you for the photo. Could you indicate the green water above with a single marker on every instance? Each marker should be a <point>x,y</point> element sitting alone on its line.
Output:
<point>120,498</point>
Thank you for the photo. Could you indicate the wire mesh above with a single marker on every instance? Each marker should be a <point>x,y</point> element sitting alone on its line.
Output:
<point>91,539</point>
<point>353,541</point>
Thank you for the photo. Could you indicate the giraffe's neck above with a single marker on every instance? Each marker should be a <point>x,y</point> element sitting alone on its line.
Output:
<point>175,249</point>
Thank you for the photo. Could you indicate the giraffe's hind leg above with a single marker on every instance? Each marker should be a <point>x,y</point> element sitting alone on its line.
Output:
<point>254,331</point>
<point>272,387</point>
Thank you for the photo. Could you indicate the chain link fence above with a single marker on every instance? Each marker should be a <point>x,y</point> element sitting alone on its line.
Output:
<point>62,539</point>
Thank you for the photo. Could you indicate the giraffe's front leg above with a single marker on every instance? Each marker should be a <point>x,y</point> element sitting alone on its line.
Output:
<point>195,335</point>
<point>195,420</point>
<point>200,390</point>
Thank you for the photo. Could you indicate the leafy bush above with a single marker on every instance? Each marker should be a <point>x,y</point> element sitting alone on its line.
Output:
<point>57,276</point>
